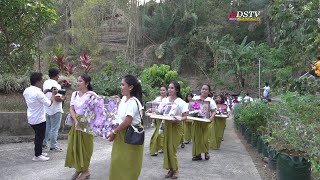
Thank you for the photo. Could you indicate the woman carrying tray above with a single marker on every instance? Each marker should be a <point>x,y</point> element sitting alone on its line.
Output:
<point>217,127</point>
<point>156,142</point>
<point>201,129</point>
<point>173,130</point>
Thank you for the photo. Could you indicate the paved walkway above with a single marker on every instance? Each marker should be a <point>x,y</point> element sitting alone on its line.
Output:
<point>232,161</point>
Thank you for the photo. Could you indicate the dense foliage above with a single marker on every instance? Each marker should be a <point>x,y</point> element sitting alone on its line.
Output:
<point>21,26</point>
<point>291,125</point>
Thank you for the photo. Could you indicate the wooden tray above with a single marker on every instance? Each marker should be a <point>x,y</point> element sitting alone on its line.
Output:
<point>221,115</point>
<point>168,118</point>
<point>190,118</point>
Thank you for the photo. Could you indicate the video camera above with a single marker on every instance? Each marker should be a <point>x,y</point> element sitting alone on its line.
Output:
<point>62,91</point>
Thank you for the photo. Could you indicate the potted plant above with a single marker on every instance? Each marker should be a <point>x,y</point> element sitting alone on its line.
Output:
<point>293,136</point>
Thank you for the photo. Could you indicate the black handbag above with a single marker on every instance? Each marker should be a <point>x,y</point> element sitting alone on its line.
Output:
<point>135,134</point>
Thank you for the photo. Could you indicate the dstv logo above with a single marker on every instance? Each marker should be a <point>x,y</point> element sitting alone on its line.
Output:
<point>244,16</point>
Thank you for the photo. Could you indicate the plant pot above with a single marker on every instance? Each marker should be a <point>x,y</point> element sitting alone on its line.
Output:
<point>259,144</point>
<point>273,155</point>
<point>254,139</point>
<point>248,135</point>
<point>243,129</point>
<point>293,168</point>
<point>265,149</point>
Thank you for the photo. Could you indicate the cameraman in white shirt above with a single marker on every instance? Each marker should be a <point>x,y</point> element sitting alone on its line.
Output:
<point>36,100</point>
<point>53,112</point>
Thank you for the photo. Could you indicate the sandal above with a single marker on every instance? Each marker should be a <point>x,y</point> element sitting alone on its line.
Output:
<point>175,175</point>
<point>83,177</point>
<point>182,145</point>
<point>206,156</point>
<point>155,154</point>
<point>75,175</point>
<point>197,158</point>
<point>169,175</point>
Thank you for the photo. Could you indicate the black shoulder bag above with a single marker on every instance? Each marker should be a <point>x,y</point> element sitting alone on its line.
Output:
<point>135,134</point>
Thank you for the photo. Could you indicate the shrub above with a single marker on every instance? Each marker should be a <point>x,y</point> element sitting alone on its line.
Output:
<point>10,83</point>
<point>156,75</point>
<point>296,127</point>
<point>107,81</point>
<point>255,115</point>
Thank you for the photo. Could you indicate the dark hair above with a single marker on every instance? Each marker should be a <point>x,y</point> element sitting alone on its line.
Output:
<point>53,72</point>
<point>210,94</point>
<point>188,94</point>
<point>35,77</point>
<point>165,86</point>
<point>267,84</point>
<point>208,87</point>
<point>87,79</point>
<point>247,94</point>
<point>177,88</point>
<point>137,89</point>
<point>318,58</point>
<point>222,98</point>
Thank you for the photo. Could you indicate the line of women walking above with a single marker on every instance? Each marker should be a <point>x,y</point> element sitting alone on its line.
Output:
<point>126,159</point>
<point>204,135</point>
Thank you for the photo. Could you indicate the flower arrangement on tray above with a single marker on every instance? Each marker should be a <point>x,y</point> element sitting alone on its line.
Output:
<point>100,115</point>
<point>221,111</point>
<point>199,109</point>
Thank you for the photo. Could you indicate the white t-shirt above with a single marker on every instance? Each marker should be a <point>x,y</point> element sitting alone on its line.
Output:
<point>159,99</point>
<point>129,108</point>
<point>213,104</point>
<point>266,91</point>
<point>247,99</point>
<point>56,106</point>
<point>182,106</point>
<point>36,100</point>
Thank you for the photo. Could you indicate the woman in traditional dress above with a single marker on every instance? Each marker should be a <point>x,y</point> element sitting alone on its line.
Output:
<point>188,125</point>
<point>126,159</point>
<point>219,124</point>
<point>156,142</point>
<point>201,129</point>
<point>173,130</point>
<point>80,144</point>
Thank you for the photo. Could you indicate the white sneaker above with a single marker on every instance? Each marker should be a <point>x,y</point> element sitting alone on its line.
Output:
<point>40,158</point>
<point>45,154</point>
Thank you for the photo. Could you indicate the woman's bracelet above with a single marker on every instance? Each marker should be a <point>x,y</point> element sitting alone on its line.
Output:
<point>113,132</point>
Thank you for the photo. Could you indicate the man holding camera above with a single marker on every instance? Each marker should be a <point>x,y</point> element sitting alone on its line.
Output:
<point>315,68</point>
<point>54,112</point>
<point>36,100</point>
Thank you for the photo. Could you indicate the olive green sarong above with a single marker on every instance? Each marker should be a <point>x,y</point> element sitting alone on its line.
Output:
<point>172,138</point>
<point>200,138</point>
<point>156,142</point>
<point>126,159</point>
<point>80,149</point>
<point>187,131</point>
<point>216,131</point>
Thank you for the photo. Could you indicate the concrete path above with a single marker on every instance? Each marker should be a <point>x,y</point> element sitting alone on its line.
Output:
<point>232,161</point>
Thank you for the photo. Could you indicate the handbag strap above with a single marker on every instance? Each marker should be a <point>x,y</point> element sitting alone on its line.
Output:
<point>139,111</point>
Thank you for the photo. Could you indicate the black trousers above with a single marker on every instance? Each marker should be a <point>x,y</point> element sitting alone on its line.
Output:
<point>313,73</point>
<point>40,131</point>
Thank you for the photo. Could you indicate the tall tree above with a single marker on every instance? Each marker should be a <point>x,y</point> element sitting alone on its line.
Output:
<point>21,25</point>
